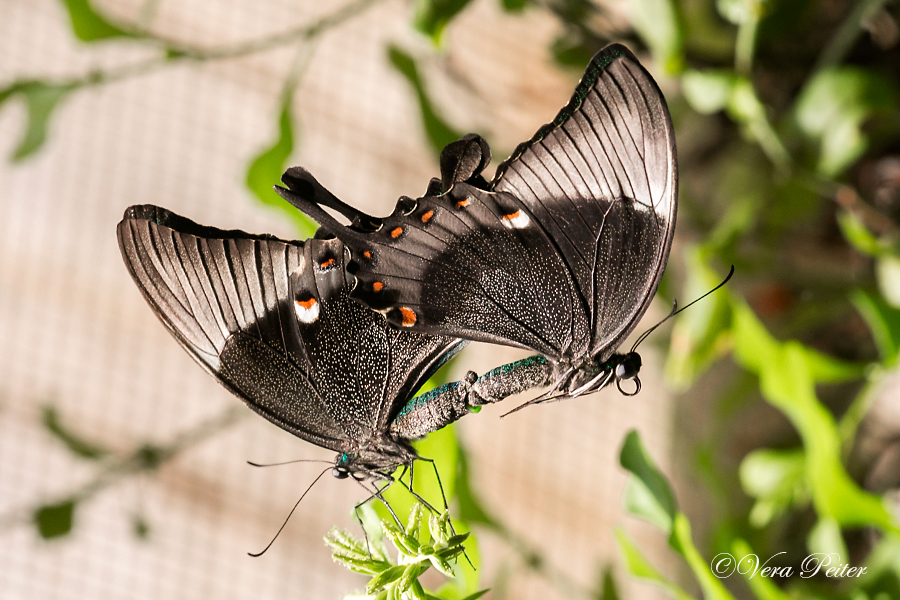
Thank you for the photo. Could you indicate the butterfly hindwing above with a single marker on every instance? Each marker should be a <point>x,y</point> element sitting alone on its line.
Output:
<point>272,321</point>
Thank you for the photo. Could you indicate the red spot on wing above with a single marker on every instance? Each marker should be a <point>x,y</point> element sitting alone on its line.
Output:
<point>408,316</point>
<point>307,304</point>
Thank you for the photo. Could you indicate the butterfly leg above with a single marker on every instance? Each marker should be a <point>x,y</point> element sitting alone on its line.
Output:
<point>375,492</point>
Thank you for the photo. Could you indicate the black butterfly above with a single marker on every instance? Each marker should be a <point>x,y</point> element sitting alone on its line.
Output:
<point>561,252</point>
<point>271,321</point>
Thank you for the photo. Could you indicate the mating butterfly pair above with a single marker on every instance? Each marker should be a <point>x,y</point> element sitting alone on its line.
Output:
<point>560,253</point>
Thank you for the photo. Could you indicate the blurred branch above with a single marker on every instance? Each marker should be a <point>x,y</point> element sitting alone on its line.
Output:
<point>146,457</point>
<point>176,51</point>
<point>843,40</point>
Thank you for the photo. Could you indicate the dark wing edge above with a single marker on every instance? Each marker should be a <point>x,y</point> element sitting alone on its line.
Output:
<point>224,296</point>
<point>613,141</point>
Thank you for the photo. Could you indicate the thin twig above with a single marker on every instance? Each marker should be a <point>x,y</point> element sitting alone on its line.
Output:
<point>143,458</point>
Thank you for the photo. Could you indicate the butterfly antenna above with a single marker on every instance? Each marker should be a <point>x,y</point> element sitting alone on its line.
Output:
<point>290,462</point>
<point>283,525</point>
<point>676,310</point>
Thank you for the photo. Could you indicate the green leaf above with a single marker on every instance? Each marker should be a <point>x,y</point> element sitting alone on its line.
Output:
<point>647,494</point>
<point>606,590</point>
<point>74,442</point>
<point>786,382</point>
<point>707,91</point>
<point>763,588</point>
<point>41,99</point>
<point>883,321</point>
<point>90,26</point>
<point>437,130</point>
<point>777,480</point>
<point>887,271</point>
<point>832,108</point>
<point>55,520</point>
<point>658,22</point>
<point>859,236</point>
<point>513,6</point>
<point>266,168</point>
<point>638,566</point>
<point>433,16</point>
<point>387,576</point>
<point>825,538</point>
<point>681,541</point>
<point>471,509</point>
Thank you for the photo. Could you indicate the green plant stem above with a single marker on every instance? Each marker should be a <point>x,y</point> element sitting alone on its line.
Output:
<point>143,458</point>
<point>843,40</point>
<point>860,406</point>
<point>745,45</point>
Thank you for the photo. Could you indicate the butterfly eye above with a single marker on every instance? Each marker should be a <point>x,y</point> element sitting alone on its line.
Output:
<point>629,366</point>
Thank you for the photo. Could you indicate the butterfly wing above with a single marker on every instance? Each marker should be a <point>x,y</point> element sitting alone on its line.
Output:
<point>602,181</point>
<point>271,321</point>
<point>449,265</point>
<point>561,254</point>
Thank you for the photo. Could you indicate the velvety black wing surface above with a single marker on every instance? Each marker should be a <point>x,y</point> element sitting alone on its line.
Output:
<point>469,263</point>
<point>602,181</point>
<point>226,298</point>
<point>271,320</point>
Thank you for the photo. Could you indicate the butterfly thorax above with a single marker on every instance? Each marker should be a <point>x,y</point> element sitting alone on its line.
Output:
<point>374,460</point>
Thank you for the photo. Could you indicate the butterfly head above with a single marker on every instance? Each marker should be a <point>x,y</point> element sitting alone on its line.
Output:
<point>627,367</point>
<point>373,461</point>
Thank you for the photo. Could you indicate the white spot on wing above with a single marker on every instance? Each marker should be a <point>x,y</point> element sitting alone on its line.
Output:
<point>516,220</point>
<point>307,310</point>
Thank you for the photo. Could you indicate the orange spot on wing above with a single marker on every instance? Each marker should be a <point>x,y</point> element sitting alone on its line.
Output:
<point>328,263</point>
<point>463,203</point>
<point>307,304</point>
<point>377,286</point>
<point>367,254</point>
<point>511,216</point>
<point>409,317</point>
<point>396,232</point>
<point>427,216</point>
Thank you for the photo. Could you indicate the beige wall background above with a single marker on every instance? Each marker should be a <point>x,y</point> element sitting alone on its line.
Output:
<point>75,332</point>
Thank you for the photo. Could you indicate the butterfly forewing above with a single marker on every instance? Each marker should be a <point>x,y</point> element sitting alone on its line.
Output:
<point>602,180</point>
<point>562,252</point>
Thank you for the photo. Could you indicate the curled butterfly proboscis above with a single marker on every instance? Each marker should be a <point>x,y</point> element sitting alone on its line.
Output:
<point>271,320</point>
<point>561,252</point>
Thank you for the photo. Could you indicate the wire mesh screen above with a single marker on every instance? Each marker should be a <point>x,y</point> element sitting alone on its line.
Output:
<point>80,347</point>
